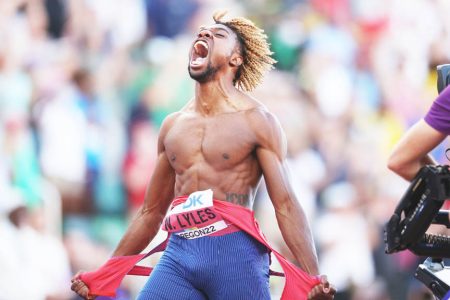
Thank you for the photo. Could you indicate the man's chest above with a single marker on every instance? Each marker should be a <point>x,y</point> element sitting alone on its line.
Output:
<point>220,141</point>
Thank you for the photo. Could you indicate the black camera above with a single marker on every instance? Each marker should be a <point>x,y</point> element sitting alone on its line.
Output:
<point>418,208</point>
<point>443,72</point>
<point>406,229</point>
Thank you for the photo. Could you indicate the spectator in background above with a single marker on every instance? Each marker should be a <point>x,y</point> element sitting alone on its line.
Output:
<point>139,163</point>
<point>341,230</point>
<point>56,13</point>
<point>87,101</point>
<point>169,17</point>
<point>62,130</point>
<point>29,254</point>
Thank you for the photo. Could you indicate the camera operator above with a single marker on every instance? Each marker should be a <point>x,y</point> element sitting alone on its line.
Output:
<point>412,151</point>
<point>410,154</point>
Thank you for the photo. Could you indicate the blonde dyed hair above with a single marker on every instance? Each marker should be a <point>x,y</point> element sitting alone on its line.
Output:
<point>256,54</point>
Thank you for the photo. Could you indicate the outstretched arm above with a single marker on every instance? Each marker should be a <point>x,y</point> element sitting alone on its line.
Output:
<point>411,152</point>
<point>291,218</point>
<point>159,195</point>
<point>294,227</point>
<point>145,225</point>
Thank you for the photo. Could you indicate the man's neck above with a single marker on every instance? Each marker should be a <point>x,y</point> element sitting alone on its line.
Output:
<point>215,96</point>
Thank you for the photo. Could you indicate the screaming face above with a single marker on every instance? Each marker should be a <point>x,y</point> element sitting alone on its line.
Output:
<point>199,53</point>
<point>210,52</point>
<point>200,67</point>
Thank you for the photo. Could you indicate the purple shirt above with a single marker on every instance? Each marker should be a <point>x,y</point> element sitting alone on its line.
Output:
<point>438,116</point>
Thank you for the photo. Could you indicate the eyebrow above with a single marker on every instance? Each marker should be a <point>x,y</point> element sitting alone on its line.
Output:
<point>213,28</point>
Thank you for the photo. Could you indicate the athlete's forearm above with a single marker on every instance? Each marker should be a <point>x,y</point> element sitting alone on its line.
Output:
<point>297,235</point>
<point>140,233</point>
<point>145,225</point>
<point>148,220</point>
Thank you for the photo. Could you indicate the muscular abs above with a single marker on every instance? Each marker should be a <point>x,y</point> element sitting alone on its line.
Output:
<point>214,152</point>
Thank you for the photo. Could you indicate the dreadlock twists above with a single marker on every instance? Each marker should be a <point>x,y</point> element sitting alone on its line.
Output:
<point>256,51</point>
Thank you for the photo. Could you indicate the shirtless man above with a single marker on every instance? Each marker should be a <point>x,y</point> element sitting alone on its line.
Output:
<point>225,141</point>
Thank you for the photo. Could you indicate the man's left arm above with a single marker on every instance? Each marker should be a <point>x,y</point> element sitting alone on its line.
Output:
<point>290,215</point>
<point>271,154</point>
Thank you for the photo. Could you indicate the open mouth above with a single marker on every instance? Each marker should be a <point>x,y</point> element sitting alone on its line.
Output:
<point>199,53</point>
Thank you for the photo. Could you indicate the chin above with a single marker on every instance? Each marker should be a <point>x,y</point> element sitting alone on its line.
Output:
<point>204,74</point>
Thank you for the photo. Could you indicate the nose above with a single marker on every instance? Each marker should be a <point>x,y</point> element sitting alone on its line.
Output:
<point>205,33</point>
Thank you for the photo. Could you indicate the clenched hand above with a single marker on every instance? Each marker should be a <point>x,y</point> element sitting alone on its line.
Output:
<point>79,287</point>
<point>323,291</point>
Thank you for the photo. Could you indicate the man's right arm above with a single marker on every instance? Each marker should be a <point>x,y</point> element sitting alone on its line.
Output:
<point>146,223</point>
<point>159,195</point>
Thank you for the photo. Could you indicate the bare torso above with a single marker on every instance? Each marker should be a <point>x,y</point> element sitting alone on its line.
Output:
<point>225,141</point>
<point>215,152</point>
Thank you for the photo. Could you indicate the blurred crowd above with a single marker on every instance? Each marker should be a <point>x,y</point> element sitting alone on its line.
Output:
<point>85,85</point>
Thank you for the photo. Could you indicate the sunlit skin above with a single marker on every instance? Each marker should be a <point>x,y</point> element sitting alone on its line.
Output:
<point>224,140</point>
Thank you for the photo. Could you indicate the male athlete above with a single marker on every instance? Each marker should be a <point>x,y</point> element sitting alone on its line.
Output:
<point>219,145</point>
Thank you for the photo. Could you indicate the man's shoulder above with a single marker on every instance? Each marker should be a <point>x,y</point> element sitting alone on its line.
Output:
<point>168,122</point>
<point>260,114</point>
<point>251,106</point>
<point>264,124</point>
<point>170,118</point>
<point>249,103</point>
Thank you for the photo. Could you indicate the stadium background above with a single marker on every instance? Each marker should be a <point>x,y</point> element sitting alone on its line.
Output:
<point>85,85</point>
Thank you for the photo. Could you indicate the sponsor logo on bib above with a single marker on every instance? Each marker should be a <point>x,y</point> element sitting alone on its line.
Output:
<point>195,217</point>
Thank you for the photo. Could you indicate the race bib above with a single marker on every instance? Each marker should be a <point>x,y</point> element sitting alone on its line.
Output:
<point>194,217</point>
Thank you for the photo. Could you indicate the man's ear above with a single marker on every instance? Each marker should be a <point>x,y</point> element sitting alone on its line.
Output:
<point>236,60</point>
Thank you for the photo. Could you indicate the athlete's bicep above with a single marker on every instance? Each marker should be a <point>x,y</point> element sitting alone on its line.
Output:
<point>271,154</point>
<point>276,176</point>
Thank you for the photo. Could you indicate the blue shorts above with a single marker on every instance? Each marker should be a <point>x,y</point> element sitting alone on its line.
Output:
<point>231,266</point>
